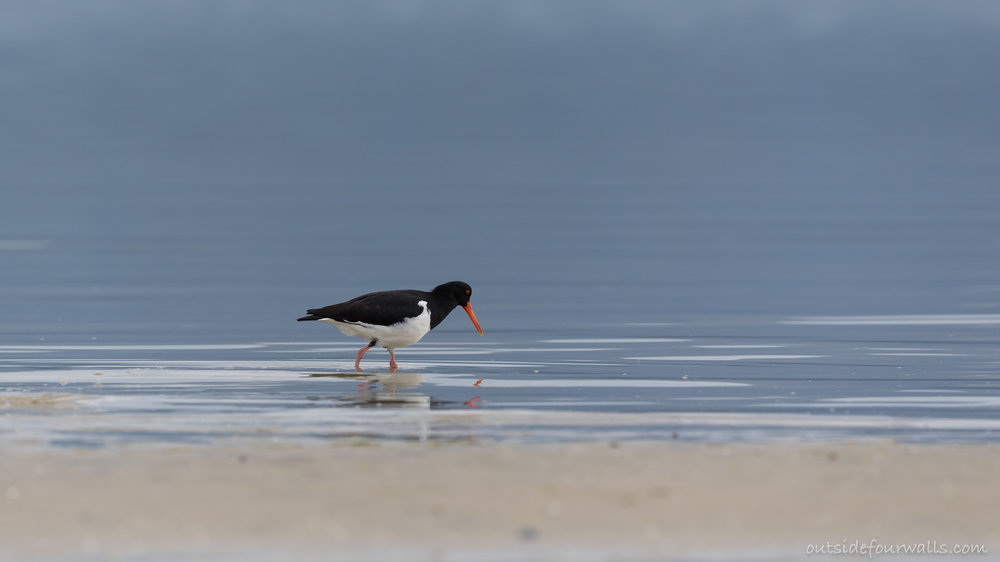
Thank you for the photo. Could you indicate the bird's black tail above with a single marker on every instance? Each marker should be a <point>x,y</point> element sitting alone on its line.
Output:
<point>309,317</point>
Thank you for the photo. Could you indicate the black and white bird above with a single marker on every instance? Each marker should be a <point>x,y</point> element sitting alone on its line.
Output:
<point>394,319</point>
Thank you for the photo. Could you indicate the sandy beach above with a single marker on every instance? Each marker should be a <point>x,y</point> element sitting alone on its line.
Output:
<point>602,501</point>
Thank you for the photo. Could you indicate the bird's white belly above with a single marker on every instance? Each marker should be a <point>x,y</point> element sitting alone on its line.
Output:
<point>400,334</point>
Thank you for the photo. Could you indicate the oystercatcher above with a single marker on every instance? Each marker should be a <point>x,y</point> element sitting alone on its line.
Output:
<point>394,319</point>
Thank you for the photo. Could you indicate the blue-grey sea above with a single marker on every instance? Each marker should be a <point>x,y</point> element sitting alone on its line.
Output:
<point>681,220</point>
<point>619,312</point>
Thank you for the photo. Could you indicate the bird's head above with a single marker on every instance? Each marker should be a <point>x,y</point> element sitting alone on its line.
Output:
<point>459,293</point>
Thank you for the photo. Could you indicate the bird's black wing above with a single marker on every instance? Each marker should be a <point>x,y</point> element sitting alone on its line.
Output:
<point>383,308</point>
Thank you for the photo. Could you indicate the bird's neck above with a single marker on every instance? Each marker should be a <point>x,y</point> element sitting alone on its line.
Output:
<point>440,307</point>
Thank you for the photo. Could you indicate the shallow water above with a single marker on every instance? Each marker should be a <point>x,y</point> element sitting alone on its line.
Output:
<point>627,312</point>
<point>798,378</point>
<point>808,306</point>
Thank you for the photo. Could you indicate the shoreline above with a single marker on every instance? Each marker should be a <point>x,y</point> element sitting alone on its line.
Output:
<point>424,500</point>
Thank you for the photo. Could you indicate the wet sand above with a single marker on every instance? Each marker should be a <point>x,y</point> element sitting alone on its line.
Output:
<point>373,500</point>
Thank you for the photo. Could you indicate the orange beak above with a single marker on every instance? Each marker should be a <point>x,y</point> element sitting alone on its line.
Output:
<point>472,316</point>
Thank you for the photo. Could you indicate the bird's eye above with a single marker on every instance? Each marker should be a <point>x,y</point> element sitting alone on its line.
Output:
<point>468,291</point>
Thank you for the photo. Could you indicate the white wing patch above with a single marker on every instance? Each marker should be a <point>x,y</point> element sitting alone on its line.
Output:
<point>400,334</point>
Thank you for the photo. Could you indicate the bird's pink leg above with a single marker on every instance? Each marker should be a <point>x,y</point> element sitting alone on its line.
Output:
<point>392,362</point>
<point>361,353</point>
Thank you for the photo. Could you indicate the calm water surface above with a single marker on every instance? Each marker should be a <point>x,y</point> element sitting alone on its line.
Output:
<point>680,220</point>
<point>610,313</point>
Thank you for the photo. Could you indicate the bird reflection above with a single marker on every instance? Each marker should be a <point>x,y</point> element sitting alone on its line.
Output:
<point>387,390</point>
<point>382,390</point>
